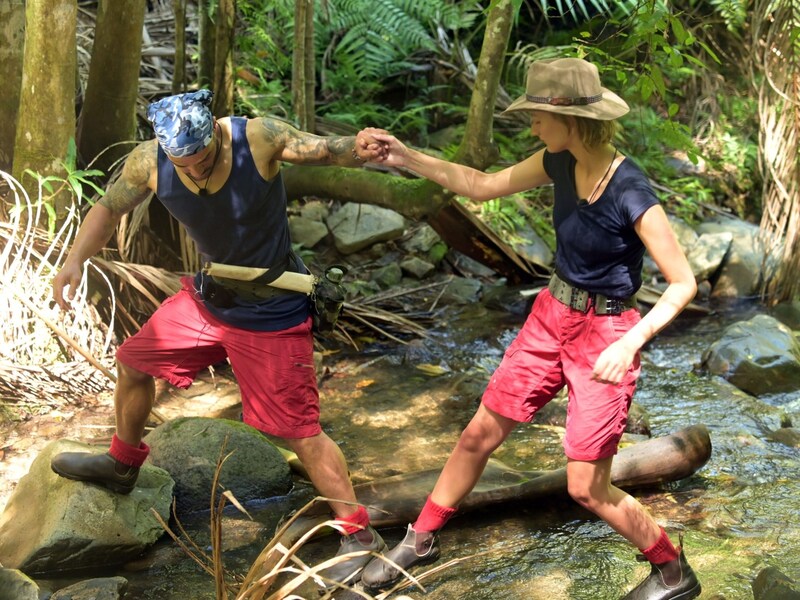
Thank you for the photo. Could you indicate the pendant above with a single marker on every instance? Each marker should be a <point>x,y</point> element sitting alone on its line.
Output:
<point>202,192</point>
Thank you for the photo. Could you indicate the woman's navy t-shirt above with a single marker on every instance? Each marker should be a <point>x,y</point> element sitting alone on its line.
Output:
<point>597,248</point>
<point>244,224</point>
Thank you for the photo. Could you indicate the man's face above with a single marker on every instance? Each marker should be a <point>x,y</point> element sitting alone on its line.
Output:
<point>199,165</point>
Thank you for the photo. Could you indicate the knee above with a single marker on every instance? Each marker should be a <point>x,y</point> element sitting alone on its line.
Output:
<point>476,440</point>
<point>582,494</point>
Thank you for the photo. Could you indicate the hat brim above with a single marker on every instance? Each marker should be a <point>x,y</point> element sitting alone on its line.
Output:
<point>610,107</point>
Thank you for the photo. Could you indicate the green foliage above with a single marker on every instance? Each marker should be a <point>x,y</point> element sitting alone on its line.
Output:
<point>74,180</point>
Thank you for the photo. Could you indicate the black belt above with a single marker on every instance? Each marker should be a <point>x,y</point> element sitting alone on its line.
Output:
<point>222,291</point>
<point>583,300</point>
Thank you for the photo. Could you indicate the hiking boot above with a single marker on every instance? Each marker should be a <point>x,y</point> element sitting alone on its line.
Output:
<point>674,580</point>
<point>349,571</point>
<point>417,548</point>
<point>102,469</point>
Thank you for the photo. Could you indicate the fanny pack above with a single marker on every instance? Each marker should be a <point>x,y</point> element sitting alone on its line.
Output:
<point>326,294</point>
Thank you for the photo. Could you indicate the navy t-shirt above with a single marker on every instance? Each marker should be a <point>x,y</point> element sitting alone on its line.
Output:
<point>597,248</point>
<point>243,224</point>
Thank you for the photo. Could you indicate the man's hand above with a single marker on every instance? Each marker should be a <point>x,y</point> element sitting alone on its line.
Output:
<point>68,277</point>
<point>367,148</point>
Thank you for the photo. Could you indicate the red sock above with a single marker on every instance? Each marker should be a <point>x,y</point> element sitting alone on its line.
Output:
<point>433,517</point>
<point>358,521</point>
<point>127,454</point>
<point>663,551</point>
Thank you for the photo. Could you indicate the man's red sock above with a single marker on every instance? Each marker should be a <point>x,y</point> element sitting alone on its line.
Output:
<point>663,551</point>
<point>127,454</point>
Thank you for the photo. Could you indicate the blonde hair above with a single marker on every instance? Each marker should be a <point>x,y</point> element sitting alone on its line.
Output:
<point>593,132</point>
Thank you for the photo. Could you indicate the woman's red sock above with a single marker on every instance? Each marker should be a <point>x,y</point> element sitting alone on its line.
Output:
<point>433,517</point>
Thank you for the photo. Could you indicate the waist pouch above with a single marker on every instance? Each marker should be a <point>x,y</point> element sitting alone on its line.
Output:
<point>583,300</point>
<point>326,297</point>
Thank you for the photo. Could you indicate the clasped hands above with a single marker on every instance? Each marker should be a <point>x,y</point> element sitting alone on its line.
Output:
<point>378,146</point>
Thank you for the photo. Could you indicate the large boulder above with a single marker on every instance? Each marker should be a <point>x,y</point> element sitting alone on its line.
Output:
<point>54,524</point>
<point>356,226</point>
<point>771,584</point>
<point>15,585</point>
<point>189,448</point>
<point>101,588</point>
<point>740,273</point>
<point>758,356</point>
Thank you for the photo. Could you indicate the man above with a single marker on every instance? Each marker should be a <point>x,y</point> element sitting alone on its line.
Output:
<point>221,179</point>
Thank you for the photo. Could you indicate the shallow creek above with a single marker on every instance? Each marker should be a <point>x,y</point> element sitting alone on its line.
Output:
<point>391,414</point>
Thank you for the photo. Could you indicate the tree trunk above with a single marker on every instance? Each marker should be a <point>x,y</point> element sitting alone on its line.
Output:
<point>303,65</point>
<point>179,72</point>
<point>206,45</point>
<point>109,109</point>
<point>46,121</point>
<point>222,105</point>
<point>775,28</point>
<point>478,149</point>
<point>12,44</point>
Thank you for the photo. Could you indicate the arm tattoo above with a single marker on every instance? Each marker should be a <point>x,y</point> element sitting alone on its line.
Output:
<point>305,148</point>
<point>132,188</point>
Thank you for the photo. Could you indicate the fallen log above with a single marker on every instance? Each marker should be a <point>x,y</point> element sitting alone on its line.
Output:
<point>397,500</point>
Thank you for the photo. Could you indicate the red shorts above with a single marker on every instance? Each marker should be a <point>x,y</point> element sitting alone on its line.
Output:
<point>558,346</point>
<point>274,369</point>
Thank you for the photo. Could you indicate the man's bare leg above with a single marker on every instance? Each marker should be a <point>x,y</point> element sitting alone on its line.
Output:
<point>327,469</point>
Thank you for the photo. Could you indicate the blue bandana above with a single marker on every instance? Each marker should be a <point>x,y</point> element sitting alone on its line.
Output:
<point>183,124</point>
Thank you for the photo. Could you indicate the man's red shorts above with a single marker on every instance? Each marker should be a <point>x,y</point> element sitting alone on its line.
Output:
<point>275,369</point>
<point>558,346</point>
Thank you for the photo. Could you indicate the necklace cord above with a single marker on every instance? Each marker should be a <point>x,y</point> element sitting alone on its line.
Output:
<point>590,199</point>
<point>202,191</point>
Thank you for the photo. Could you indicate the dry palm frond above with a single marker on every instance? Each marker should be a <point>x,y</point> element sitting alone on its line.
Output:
<point>776,29</point>
<point>35,335</point>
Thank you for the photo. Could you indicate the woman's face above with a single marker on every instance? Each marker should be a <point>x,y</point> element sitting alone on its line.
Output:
<point>554,132</point>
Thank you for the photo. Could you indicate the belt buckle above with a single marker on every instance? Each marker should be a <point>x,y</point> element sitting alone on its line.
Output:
<point>614,306</point>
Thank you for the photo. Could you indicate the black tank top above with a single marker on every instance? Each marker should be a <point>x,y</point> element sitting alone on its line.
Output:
<point>244,223</point>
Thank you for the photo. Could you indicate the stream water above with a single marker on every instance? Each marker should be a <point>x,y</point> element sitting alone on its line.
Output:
<point>393,414</point>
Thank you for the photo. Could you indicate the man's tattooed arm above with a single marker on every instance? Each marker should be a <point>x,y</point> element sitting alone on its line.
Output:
<point>133,185</point>
<point>292,145</point>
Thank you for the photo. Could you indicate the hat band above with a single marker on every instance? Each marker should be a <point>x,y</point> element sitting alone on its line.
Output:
<point>564,101</point>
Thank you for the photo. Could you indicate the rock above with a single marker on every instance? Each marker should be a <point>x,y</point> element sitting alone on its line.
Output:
<point>54,524</point>
<point>388,276</point>
<point>758,356</point>
<point>422,240</point>
<point>101,588</point>
<point>788,313</point>
<point>306,232</point>
<point>418,268</point>
<point>786,435</point>
<point>15,585</point>
<point>315,210</point>
<point>771,584</point>
<point>708,253</point>
<point>462,290</point>
<point>741,270</point>
<point>189,448</point>
<point>356,226</point>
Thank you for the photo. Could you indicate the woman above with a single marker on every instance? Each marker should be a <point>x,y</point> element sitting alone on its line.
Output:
<point>584,331</point>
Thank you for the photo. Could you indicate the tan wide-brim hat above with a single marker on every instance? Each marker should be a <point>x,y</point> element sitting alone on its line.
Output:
<point>569,86</point>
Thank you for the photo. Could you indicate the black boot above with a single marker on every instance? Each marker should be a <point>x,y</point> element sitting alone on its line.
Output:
<point>673,580</point>
<point>417,548</point>
<point>349,571</point>
<point>102,469</point>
